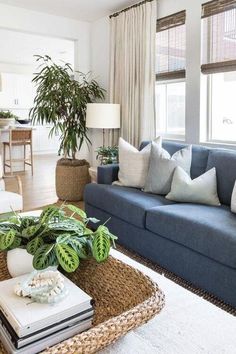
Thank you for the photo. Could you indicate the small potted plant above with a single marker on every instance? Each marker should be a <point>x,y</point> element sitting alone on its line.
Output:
<point>107,154</point>
<point>61,100</point>
<point>6,119</point>
<point>52,239</point>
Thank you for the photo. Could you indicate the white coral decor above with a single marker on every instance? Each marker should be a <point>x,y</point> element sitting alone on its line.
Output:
<point>43,287</point>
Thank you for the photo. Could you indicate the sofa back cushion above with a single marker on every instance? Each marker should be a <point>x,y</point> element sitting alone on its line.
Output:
<point>199,155</point>
<point>225,163</point>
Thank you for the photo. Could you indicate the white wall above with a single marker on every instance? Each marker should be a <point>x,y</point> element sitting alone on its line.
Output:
<point>20,19</point>
<point>100,55</point>
<point>23,20</point>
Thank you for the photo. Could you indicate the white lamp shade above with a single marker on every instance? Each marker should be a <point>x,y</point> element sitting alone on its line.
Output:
<point>103,116</point>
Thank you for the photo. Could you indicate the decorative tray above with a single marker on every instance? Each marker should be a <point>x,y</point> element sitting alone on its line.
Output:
<point>124,298</point>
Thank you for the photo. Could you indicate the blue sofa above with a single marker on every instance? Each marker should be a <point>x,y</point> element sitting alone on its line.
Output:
<point>196,242</point>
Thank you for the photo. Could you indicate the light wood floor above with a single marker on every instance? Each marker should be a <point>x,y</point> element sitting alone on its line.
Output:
<point>39,189</point>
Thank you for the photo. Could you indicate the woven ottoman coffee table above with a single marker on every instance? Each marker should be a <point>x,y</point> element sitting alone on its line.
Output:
<point>124,299</point>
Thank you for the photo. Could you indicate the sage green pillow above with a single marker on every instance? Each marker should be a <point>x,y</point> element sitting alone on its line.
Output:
<point>201,190</point>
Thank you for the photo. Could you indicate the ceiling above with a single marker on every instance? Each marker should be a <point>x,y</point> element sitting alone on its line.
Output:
<point>19,48</point>
<point>85,10</point>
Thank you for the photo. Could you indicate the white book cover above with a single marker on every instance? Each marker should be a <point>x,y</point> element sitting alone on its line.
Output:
<point>27,317</point>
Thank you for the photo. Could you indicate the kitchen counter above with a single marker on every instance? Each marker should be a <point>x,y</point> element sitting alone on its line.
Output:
<point>25,126</point>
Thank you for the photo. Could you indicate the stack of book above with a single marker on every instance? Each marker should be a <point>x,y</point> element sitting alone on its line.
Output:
<point>30,327</point>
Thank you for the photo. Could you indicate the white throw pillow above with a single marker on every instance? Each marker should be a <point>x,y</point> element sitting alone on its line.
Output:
<point>133,164</point>
<point>233,200</point>
<point>162,166</point>
<point>201,190</point>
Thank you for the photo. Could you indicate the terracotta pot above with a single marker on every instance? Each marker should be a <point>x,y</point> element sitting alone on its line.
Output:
<point>71,179</point>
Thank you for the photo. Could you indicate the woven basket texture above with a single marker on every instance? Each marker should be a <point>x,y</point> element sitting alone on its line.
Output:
<point>71,181</point>
<point>124,299</point>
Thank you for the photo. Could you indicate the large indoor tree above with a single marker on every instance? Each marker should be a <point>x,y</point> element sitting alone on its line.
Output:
<point>61,99</point>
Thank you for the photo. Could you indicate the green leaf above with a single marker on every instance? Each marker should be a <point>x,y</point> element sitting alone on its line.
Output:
<point>88,232</point>
<point>77,211</point>
<point>81,246</point>
<point>67,257</point>
<point>63,238</point>
<point>48,213</point>
<point>66,225</point>
<point>34,245</point>
<point>101,247</point>
<point>30,231</point>
<point>93,220</point>
<point>44,257</point>
<point>28,221</point>
<point>15,244</point>
<point>14,219</point>
<point>6,240</point>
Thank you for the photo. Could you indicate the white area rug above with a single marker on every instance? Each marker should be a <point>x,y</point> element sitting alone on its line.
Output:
<point>188,324</point>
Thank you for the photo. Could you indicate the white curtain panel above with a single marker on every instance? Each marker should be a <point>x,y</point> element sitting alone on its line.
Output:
<point>132,71</point>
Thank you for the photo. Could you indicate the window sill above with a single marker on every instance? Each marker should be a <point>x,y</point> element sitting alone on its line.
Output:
<point>173,137</point>
<point>223,145</point>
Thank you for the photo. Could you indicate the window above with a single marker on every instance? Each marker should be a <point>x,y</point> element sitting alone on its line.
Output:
<point>170,105</point>
<point>219,64</point>
<point>170,75</point>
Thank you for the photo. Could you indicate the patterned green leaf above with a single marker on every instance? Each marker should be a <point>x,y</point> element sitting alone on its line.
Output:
<point>80,245</point>
<point>66,225</point>
<point>16,243</point>
<point>6,240</point>
<point>48,213</point>
<point>34,245</point>
<point>101,247</point>
<point>44,257</point>
<point>64,238</point>
<point>30,231</point>
<point>28,221</point>
<point>77,211</point>
<point>67,257</point>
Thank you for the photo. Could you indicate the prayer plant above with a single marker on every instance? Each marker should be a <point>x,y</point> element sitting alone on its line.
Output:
<point>55,238</point>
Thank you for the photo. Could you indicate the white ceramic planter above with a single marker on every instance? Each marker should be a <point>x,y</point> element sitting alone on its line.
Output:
<point>19,262</point>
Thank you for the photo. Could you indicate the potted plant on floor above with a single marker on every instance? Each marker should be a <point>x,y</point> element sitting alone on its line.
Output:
<point>53,238</point>
<point>107,154</point>
<point>61,101</point>
<point>7,118</point>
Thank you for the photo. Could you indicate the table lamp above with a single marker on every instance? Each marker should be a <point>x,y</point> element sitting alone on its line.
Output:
<point>103,116</point>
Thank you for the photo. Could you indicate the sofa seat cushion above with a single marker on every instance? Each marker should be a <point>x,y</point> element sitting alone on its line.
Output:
<point>10,201</point>
<point>128,204</point>
<point>208,230</point>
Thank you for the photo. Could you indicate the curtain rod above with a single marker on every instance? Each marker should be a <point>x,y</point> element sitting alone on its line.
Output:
<point>130,7</point>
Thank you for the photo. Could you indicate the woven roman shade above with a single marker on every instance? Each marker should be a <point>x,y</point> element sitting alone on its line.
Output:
<point>219,36</point>
<point>171,47</point>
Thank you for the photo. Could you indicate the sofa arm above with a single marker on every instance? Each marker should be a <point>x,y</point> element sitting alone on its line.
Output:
<point>107,174</point>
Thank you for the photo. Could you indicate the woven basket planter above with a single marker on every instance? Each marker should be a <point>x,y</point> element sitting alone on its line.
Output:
<point>71,179</point>
<point>124,299</point>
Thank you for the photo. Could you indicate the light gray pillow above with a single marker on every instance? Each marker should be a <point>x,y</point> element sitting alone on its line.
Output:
<point>162,166</point>
<point>133,164</point>
<point>201,190</point>
<point>233,199</point>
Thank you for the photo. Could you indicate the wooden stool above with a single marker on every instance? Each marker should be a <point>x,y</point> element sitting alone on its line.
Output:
<point>18,137</point>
